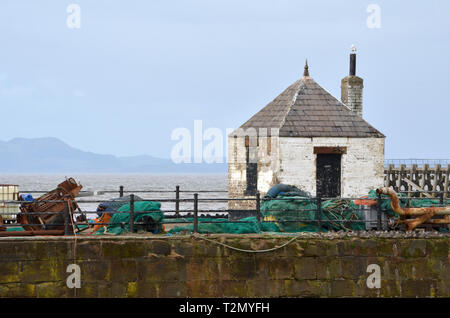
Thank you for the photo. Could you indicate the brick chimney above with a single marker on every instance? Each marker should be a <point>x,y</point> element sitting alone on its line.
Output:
<point>352,87</point>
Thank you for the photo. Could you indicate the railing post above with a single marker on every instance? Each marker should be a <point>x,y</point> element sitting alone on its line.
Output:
<point>195,212</point>
<point>66,219</point>
<point>131,213</point>
<point>379,212</point>
<point>258,206</point>
<point>177,201</point>
<point>319,214</point>
<point>121,191</point>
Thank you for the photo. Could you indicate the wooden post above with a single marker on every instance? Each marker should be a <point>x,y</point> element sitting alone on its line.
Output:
<point>412,184</point>
<point>121,191</point>
<point>437,172</point>
<point>401,174</point>
<point>447,175</point>
<point>413,177</point>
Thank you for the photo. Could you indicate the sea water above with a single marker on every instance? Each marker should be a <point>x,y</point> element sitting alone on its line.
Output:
<point>131,182</point>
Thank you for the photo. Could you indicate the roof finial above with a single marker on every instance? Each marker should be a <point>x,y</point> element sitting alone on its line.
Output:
<point>306,71</point>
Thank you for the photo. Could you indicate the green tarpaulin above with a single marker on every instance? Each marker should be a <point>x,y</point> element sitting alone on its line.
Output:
<point>210,226</point>
<point>120,222</point>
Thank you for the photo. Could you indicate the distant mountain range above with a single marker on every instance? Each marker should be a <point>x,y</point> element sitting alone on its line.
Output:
<point>51,155</point>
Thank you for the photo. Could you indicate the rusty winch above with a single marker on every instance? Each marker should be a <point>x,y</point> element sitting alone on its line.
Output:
<point>46,213</point>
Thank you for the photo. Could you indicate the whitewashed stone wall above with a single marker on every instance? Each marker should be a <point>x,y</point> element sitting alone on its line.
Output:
<point>292,161</point>
<point>268,165</point>
<point>362,167</point>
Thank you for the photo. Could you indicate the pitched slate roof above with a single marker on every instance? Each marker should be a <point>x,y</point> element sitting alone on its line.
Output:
<point>305,109</point>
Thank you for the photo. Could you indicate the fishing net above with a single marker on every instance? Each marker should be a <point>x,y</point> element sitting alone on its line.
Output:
<point>285,209</point>
<point>211,225</point>
<point>146,212</point>
<point>299,214</point>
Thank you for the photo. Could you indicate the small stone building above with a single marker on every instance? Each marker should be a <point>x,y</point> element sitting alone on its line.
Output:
<point>307,138</point>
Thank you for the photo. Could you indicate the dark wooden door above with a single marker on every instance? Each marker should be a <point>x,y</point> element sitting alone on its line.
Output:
<point>252,172</point>
<point>328,175</point>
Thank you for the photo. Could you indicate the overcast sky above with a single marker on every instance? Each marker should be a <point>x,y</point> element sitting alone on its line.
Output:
<point>136,70</point>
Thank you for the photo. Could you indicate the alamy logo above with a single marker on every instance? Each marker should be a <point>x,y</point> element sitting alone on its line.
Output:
<point>374,279</point>
<point>191,145</point>
<point>74,279</point>
<point>74,18</point>
<point>374,19</point>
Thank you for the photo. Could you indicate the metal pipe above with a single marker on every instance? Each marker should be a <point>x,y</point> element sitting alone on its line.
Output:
<point>439,221</point>
<point>352,64</point>
<point>395,203</point>
<point>258,206</point>
<point>131,213</point>
<point>177,200</point>
<point>195,212</point>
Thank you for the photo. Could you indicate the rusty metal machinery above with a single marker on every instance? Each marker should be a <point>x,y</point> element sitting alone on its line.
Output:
<point>55,202</point>
<point>413,217</point>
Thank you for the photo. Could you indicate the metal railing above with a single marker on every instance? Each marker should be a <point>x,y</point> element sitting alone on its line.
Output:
<point>418,162</point>
<point>180,215</point>
<point>121,192</point>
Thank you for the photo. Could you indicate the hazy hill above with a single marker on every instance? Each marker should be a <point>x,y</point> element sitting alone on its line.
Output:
<point>48,155</point>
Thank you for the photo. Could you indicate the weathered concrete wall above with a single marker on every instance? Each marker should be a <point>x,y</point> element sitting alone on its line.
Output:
<point>190,267</point>
<point>237,179</point>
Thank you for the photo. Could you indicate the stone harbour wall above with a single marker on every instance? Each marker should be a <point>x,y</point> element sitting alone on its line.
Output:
<point>187,266</point>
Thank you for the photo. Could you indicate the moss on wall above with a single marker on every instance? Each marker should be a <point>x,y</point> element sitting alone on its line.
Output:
<point>189,267</point>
